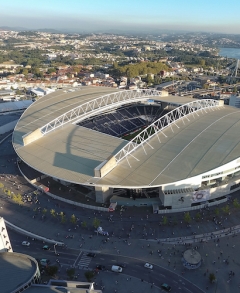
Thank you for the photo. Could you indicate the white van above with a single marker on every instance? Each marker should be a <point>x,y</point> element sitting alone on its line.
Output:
<point>116,269</point>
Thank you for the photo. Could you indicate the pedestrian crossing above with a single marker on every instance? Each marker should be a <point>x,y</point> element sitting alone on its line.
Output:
<point>84,261</point>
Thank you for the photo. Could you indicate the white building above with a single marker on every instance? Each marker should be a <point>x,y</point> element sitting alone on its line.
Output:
<point>5,244</point>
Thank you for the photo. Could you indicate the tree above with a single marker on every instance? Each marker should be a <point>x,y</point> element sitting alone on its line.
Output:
<point>52,270</point>
<point>202,62</point>
<point>17,198</point>
<point>217,211</point>
<point>96,223</point>
<point>71,273</point>
<point>165,220</point>
<point>62,217</point>
<point>44,211</point>
<point>84,224</point>
<point>53,213</point>
<point>198,216</point>
<point>212,277</point>
<point>236,203</point>
<point>149,79</point>
<point>226,209</point>
<point>51,70</point>
<point>73,219</point>
<point>89,275</point>
<point>187,217</point>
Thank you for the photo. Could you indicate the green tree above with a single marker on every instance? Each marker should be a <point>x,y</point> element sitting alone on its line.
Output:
<point>165,220</point>
<point>212,277</point>
<point>44,211</point>
<point>62,217</point>
<point>226,209</point>
<point>52,270</point>
<point>187,217</point>
<point>236,203</point>
<point>53,213</point>
<point>89,275</point>
<point>84,224</point>
<point>73,219</point>
<point>149,79</point>
<point>198,216</point>
<point>51,70</point>
<point>202,62</point>
<point>217,211</point>
<point>17,198</point>
<point>71,273</point>
<point>96,223</point>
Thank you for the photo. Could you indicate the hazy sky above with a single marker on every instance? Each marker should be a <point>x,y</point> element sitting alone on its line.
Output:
<point>140,15</point>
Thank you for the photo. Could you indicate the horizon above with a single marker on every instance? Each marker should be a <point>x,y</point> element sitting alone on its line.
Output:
<point>133,16</point>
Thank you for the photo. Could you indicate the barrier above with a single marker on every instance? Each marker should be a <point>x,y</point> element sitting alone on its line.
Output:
<point>30,234</point>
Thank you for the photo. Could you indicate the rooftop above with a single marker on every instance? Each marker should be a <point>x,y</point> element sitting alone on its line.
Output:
<point>21,266</point>
<point>188,147</point>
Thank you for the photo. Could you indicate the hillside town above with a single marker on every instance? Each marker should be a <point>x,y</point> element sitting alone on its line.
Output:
<point>33,64</point>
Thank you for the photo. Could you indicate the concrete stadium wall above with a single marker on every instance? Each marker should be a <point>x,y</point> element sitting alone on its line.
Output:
<point>102,209</point>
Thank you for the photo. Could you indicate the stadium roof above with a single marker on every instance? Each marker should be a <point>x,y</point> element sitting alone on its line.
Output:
<point>16,269</point>
<point>189,147</point>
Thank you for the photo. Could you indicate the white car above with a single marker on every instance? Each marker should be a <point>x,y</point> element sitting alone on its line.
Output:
<point>148,266</point>
<point>25,243</point>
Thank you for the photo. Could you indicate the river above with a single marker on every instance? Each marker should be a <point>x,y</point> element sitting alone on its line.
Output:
<point>230,52</point>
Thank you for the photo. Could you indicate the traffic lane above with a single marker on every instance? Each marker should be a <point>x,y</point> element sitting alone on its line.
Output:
<point>38,253</point>
<point>158,275</point>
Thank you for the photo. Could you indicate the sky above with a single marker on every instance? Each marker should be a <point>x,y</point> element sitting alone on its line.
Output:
<point>123,15</point>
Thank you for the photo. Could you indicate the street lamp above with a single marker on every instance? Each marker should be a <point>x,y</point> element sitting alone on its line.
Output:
<point>55,249</point>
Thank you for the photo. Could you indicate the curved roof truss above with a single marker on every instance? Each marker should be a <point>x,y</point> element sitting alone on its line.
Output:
<point>96,106</point>
<point>159,125</point>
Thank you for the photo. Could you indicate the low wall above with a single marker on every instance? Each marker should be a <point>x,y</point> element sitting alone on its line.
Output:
<point>30,234</point>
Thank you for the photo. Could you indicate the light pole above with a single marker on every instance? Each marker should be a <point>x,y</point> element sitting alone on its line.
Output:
<point>55,248</point>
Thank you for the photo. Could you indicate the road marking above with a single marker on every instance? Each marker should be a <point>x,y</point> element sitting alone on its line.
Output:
<point>78,257</point>
<point>102,258</point>
<point>162,275</point>
<point>188,290</point>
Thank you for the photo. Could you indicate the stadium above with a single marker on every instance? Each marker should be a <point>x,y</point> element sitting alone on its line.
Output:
<point>135,148</point>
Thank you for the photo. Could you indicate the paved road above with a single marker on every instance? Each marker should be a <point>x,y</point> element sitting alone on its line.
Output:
<point>133,267</point>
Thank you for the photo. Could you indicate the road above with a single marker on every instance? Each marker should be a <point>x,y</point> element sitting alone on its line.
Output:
<point>133,267</point>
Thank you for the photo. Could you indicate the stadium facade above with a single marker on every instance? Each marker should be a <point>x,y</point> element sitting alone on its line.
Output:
<point>181,153</point>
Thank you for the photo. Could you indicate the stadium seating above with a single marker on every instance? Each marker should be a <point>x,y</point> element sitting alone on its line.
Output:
<point>125,119</point>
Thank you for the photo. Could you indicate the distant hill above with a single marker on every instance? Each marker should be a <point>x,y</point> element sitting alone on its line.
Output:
<point>9,28</point>
<point>21,29</point>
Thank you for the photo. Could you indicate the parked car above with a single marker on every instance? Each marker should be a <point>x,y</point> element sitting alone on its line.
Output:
<point>91,254</point>
<point>166,287</point>
<point>26,243</point>
<point>46,247</point>
<point>148,266</point>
